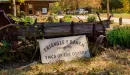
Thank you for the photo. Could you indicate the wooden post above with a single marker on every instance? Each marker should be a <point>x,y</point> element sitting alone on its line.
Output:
<point>61,20</point>
<point>94,32</point>
<point>72,28</point>
<point>120,21</point>
<point>43,30</point>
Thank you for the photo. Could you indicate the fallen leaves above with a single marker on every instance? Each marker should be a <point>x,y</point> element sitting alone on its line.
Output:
<point>108,62</point>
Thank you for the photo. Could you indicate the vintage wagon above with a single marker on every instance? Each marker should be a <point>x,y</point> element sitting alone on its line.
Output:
<point>53,30</point>
<point>29,34</point>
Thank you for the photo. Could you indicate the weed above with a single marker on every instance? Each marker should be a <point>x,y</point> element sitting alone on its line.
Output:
<point>91,19</point>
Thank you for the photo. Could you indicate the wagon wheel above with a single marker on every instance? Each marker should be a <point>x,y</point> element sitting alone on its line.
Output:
<point>5,41</point>
<point>21,48</point>
<point>101,41</point>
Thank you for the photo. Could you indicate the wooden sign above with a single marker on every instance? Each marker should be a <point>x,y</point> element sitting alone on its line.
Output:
<point>65,48</point>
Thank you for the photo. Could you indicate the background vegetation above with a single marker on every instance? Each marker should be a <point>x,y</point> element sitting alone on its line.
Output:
<point>119,36</point>
<point>117,6</point>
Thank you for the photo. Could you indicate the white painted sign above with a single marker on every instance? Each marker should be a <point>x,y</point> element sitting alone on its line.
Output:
<point>44,10</point>
<point>66,48</point>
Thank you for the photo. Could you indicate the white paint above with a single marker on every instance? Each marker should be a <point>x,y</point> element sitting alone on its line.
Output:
<point>63,48</point>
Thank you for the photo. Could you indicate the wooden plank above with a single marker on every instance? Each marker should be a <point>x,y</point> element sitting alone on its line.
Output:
<point>49,24</point>
<point>83,27</point>
<point>76,28</point>
<point>59,29</point>
<point>23,31</point>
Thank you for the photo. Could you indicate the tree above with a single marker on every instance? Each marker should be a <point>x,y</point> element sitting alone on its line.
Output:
<point>54,7</point>
<point>108,8</point>
<point>126,5</point>
<point>94,3</point>
<point>14,8</point>
<point>74,4</point>
<point>14,5</point>
<point>113,4</point>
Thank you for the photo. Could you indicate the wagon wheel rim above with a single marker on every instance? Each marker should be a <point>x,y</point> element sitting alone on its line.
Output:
<point>11,41</point>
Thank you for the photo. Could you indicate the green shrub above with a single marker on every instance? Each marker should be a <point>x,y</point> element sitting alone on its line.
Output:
<point>51,18</point>
<point>119,36</point>
<point>4,51</point>
<point>21,14</point>
<point>53,14</point>
<point>67,18</point>
<point>91,19</point>
<point>4,47</point>
<point>22,50</point>
<point>25,20</point>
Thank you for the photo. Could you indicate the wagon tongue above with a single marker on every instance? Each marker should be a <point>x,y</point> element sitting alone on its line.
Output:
<point>4,20</point>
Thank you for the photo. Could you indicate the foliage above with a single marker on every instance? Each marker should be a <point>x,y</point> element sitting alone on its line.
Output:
<point>67,18</point>
<point>54,7</point>
<point>24,20</point>
<point>21,50</point>
<point>117,5</point>
<point>21,47</point>
<point>91,19</point>
<point>21,14</point>
<point>51,18</point>
<point>119,36</point>
<point>126,5</point>
<point>114,4</point>
<point>28,20</point>
<point>21,1</point>
<point>4,45</point>
<point>4,49</point>
<point>64,5</point>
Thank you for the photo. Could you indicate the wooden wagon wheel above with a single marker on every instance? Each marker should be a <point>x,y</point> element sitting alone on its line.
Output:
<point>16,44</point>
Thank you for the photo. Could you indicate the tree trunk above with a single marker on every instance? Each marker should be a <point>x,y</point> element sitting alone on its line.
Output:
<point>77,4</point>
<point>14,8</point>
<point>108,9</point>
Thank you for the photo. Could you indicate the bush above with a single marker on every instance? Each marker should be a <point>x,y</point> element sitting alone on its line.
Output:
<point>4,51</point>
<point>21,14</point>
<point>67,18</point>
<point>21,50</point>
<point>91,19</point>
<point>27,20</point>
<point>51,18</point>
<point>24,20</point>
<point>119,36</point>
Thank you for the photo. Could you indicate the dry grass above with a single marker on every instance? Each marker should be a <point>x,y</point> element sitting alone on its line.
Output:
<point>109,62</point>
<point>116,25</point>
